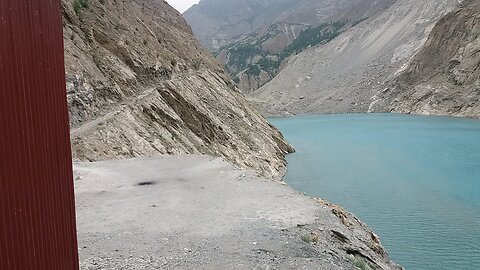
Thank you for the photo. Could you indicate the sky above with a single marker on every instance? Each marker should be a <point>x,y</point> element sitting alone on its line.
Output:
<point>182,5</point>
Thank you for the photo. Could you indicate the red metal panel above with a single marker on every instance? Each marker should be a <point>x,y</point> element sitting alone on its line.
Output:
<point>37,207</point>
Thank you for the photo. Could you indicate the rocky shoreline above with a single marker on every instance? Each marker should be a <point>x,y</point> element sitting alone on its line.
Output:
<point>200,212</point>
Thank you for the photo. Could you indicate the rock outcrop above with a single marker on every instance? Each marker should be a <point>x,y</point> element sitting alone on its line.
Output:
<point>444,77</point>
<point>139,84</point>
<point>345,74</point>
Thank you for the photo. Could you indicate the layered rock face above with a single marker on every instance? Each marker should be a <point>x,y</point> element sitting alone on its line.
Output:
<point>253,55</point>
<point>139,84</point>
<point>345,74</point>
<point>444,77</point>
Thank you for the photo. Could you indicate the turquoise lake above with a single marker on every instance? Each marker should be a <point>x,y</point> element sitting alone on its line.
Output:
<point>414,180</point>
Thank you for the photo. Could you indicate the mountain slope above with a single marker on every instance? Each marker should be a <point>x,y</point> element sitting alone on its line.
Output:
<point>444,77</point>
<point>254,57</point>
<point>139,84</point>
<point>217,23</point>
<point>344,74</point>
<point>255,60</point>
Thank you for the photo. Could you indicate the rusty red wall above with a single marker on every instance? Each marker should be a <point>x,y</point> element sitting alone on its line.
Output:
<point>37,209</point>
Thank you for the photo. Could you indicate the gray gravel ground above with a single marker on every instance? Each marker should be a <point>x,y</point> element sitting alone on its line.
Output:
<point>199,212</point>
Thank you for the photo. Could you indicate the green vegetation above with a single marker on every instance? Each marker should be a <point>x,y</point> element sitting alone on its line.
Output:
<point>313,36</point>
<point>253,70</point>
<point>242,55</point>
<point>78,5</point>
<point>270,66</point>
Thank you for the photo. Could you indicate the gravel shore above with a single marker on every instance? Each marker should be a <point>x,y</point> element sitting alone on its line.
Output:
<point>199,212</point>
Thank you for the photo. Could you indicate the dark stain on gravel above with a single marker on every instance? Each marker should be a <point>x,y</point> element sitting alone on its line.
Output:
<point>146,183</point>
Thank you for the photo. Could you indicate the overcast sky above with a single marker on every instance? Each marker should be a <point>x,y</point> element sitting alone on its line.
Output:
<point>182,5</point>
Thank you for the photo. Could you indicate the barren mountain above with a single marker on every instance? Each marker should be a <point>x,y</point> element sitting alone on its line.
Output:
<point>444,77</point>
<point>254,56</point>
<point>345,74</point>
<point>139,84</point>
<point>217,23</point>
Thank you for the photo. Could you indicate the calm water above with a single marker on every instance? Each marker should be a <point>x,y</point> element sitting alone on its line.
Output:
<point>414,180</point>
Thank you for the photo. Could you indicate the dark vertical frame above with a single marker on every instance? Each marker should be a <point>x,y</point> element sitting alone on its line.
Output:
<point>37,204</point>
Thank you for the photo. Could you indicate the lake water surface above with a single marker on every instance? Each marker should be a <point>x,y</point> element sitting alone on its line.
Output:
<point>414,180</point>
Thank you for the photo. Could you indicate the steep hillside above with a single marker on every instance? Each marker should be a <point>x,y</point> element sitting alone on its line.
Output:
<point>217,23</point>
<point>444,77</point>
<point>254,57</point>
<point>139,84</point>
<point>255,60</point>
<point>344,74</point>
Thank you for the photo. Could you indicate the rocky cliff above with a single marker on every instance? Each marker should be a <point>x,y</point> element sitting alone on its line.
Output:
<point>139,84</point>
<point>444,77</point>
<point>253,56</point>
<point>345,74</point>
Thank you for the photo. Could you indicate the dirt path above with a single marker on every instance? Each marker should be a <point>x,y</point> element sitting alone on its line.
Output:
<point>117,108</point>
<point>86,126</point>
